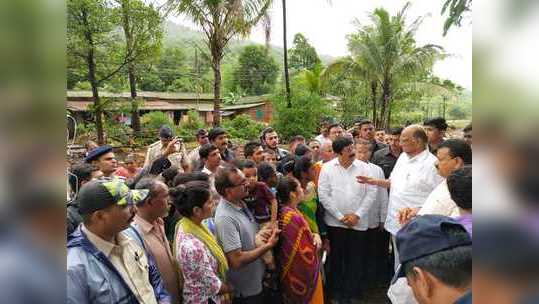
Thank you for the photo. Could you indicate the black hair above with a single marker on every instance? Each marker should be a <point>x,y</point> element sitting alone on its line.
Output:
<point>313,140</point>
<point>334,125</point>
<point>265,172</point>
<point>459,184</point>
<point>453,267</point>
<point>201,132</point>
<point>437,122</point>
<point>340,143</point>
<point>355,132</point>
<point>149,183</point>
<point>458,148</point>
<point>395,131</point>
<point>80,172</point>
<point>364,122</point>
<point>297,138</point>
<point>302,165</point>
<point>159,165</point>
<point>250,147</point>
<point>246,164</point>
<point>380,129</point>
<point>468,128</point>
<point>169,174</point>
<point>187,196</point>
<point>222,179</point>
<point>270,151</point>
<point>286,186</point>
<point>183,178</point>
<point>301,150</point>
<point>205,150</point>
<point>365,142</point>
<point>215,132</point>
<point>264,132</point>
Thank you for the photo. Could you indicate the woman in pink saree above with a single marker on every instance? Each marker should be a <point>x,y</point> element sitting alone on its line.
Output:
<point>297,254</point>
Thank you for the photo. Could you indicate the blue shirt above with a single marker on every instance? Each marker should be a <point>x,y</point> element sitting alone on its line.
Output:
<point>465,299</point>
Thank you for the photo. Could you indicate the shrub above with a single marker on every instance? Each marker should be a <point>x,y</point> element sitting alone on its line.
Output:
<point>243,127</point>
<point>302,118</point>
<point>188,127</point>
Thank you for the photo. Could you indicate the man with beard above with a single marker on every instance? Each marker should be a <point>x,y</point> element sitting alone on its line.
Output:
<point>104,264</point>
<point>347,205</point>
<point>270,140</point>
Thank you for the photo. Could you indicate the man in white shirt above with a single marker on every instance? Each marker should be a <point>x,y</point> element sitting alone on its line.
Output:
<point>347,206</point>
<point>378,259</point>
<point>323,137</point>
<point>210,157</point>
<point>452,155</point>
<point>193,156</point>
<point>412,180</point>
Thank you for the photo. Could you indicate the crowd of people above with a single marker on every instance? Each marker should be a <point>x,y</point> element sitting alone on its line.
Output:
<point>328,220</point>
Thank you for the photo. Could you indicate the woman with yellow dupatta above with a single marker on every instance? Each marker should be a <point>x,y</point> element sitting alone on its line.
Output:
<point>201,259</point>
<point>298,259</point>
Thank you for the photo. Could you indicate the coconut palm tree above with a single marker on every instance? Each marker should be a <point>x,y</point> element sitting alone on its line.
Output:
<point>385,55</point>
<point>221,20</point>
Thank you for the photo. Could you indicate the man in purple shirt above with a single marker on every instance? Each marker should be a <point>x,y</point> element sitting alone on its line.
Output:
<point>459,184</point>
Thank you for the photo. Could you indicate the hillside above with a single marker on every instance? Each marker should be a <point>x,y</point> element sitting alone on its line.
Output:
<point>177,34</point>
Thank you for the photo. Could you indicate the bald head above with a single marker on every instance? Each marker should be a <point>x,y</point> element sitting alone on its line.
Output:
<point>413,140</point>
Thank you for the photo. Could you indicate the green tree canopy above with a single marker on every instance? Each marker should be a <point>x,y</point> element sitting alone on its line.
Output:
<point>303,55</point>
<point>256,72</point>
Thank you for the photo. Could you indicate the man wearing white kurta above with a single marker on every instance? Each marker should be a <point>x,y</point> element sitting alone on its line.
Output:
<point>412,180</point>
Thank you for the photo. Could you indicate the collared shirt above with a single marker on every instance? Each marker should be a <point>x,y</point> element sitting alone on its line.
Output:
<point>157,149</point>
<point>130,261</point>
<point>377,147</point>
<point>341,194</point>
<point>228,155</point>
<point>412,180</point>
<point>439,202</point>
<point>236,229</point>
<point>157,243</point>
<point>379,207</point>
<point>385,160</point>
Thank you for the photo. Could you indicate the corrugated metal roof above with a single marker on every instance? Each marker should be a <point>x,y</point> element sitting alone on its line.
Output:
<point>165,96</point>
<point>158,105</point>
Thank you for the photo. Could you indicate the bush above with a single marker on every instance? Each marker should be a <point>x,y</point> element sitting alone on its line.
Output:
<point>302,118</point>
<point>243,127</point>
<point>188,127</point>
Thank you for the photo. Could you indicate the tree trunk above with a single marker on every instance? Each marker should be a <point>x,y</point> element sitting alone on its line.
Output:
<point>217,93</point>
<point>286,76</point>
<point>373,97</point>
<point>90,61</point>
<point>135,118</point>
<point>95,95</point>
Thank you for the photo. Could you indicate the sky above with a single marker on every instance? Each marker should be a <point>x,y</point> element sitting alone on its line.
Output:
<point>326,24</point>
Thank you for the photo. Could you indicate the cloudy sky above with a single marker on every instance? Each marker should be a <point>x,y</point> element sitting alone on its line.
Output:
<point>326,24</point>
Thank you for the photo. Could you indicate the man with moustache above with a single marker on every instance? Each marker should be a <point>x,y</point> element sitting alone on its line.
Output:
<point>347,205</point>
<point>149,224</point>
<point>104,264</point>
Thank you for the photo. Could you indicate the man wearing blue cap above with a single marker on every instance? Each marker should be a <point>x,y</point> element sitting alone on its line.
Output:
<point>104,159</point>
<point>435,254</point>
<point>104,264</point>
<point>169,146</point>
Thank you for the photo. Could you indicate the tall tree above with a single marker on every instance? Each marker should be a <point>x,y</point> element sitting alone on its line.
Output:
<point>221,20</point>
<point>256,72</point>
<point>303,55</point>
<point>142,27</point>
<point>455,9</point>
<point>89,27</point>
<point>386,56</point>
